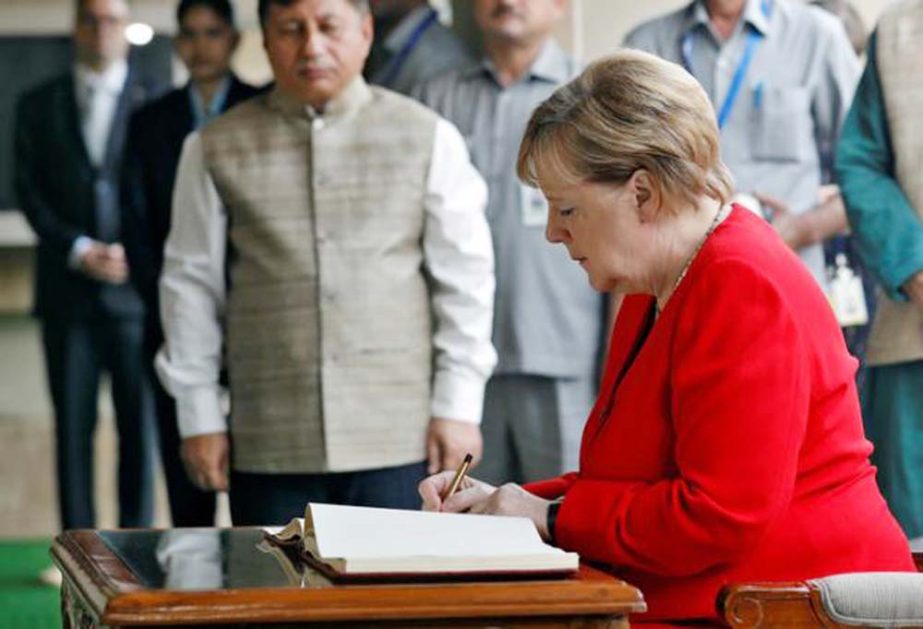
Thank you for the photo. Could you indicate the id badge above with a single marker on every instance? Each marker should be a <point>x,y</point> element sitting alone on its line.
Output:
<point>847,296</point>
<point>534,211</point>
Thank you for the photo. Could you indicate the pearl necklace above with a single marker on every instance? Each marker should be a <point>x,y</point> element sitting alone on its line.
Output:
<point>719,215</point>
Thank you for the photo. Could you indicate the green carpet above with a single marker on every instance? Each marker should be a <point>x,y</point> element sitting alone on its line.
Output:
<point>26,602</point>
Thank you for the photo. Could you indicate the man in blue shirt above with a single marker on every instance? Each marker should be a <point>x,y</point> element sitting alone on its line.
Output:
<point>781,76</point>
<point>549,324</point>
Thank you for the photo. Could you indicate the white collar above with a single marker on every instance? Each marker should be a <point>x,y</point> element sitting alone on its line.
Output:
<point>111,80</point>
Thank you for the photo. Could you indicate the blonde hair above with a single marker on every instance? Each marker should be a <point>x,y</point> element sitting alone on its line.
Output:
<point>627,112</point>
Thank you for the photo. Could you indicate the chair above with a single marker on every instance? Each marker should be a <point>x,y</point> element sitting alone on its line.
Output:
<point>876,599</point>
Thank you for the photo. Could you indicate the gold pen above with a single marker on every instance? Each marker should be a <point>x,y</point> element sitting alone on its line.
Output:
<point>459,476</point>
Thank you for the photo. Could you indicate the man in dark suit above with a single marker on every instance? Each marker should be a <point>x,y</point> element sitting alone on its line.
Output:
<point>69,140</point>
<point>205,42</point>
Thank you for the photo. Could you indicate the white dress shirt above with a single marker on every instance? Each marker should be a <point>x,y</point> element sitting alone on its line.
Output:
<point>456,247</point>
<point>98,96</point>
<point>97,99</point>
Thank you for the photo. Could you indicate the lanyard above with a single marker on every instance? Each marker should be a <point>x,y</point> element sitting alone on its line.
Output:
<point>395,66</point>
<point>753,40</point>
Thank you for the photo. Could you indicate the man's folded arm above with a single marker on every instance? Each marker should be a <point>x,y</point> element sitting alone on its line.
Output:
<point>51,229</point>
<point>887,228</point>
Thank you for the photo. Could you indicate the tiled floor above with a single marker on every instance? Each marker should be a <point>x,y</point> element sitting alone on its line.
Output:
<point>27,490</point>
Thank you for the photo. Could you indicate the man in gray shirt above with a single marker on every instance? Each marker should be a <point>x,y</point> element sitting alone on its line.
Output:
<point>410,45</point>
<point>548,322</point>
<point>781,76</point>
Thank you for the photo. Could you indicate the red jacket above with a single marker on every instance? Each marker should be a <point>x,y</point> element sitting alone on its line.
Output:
<point>733,447</point>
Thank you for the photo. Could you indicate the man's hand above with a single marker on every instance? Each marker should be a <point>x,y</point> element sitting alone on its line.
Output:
<point>106,263</point>
<point>793,228</point>
<point>449,440</point>
<point>824,220</point>
<point>206,460</point>
<point>913,288</point>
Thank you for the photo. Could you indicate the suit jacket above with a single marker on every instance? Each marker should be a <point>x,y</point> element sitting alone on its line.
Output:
<point>63,195</point>
<point>727,444</point>
<point>156,135</point>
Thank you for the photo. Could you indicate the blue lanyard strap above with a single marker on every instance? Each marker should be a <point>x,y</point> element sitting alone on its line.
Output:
<point>753,40</point>
<point>398,61</point>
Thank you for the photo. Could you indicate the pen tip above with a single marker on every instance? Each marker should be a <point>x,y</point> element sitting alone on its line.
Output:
<point>468,458</point>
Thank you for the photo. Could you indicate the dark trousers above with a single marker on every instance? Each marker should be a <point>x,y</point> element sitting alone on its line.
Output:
<point>76,353</point>
<point>189,505</point>
<point>271,499</point>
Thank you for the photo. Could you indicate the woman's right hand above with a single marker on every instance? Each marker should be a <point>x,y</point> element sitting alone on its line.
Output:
<point>432,488</point>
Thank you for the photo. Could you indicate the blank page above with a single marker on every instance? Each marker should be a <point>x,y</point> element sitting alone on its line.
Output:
<point>344,532</point>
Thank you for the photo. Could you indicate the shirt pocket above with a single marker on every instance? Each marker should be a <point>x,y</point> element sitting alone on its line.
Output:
<point>782,128</point>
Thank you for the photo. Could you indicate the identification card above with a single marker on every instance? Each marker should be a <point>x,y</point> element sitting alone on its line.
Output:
<point>534,207</point>
<point>847,296</point>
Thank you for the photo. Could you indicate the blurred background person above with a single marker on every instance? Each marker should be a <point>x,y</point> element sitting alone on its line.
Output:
<point>851,20</point>
<point>69,141</point>
<point>781,76</point>
<point>842,249</point>
<point>548,323</point>
<point>410,45</point>
<point>205,42</point>
<point>726,445</point>
<point>879,161</point>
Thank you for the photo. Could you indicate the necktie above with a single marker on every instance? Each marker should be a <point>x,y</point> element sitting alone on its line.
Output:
<point>97,123</point>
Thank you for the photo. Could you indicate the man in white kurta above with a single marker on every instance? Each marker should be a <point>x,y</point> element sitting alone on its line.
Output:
<point>330,239</point>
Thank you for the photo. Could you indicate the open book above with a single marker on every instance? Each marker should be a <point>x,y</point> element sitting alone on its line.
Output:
<point>360,542</point>
<point>293,566</point>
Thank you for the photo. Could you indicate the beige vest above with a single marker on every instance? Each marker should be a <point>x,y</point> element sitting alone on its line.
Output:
<point>897,332</point>
<point>329,342</point>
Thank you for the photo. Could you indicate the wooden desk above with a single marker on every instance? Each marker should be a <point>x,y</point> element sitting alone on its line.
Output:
<point>221,576</point>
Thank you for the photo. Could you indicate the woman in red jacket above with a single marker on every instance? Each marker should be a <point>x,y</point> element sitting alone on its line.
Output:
<point>726,444</point>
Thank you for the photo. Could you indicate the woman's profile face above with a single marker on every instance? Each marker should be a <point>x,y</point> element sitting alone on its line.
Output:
<point>600,225</point>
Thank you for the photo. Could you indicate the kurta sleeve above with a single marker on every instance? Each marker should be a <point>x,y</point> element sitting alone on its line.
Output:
<point>459,258</point>
<point>193,297</point>
<point>739,400</point>
<point>888,230</point>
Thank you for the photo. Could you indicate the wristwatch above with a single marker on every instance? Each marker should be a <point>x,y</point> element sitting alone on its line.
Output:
<point>552,517</point>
